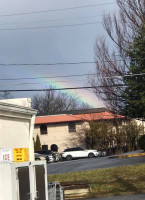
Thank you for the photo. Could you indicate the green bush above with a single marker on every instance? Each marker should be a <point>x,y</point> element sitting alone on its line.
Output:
<point>141,142</point>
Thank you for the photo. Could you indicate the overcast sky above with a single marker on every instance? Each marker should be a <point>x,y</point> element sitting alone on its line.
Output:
<point>60,43</point>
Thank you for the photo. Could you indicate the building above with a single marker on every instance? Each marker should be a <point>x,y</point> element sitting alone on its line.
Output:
<point>62,131</point>
<point>21,177</point>
<point>17,124</point>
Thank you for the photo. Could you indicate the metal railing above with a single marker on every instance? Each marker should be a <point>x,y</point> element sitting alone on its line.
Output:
<point>55,191</point>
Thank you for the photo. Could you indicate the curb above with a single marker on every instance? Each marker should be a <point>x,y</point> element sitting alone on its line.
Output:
<point>128,156</point>
<point>132,155</point>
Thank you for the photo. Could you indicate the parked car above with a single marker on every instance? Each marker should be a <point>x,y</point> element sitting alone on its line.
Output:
<point>39,156</point>
<point>78,152</point>
<point>49,153</point>
<point>48,158</point>
<point>102,153</point>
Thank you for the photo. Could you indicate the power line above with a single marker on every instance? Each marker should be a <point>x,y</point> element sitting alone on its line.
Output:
<point>59,63</point>
<point>103,77</point>
<point>45,64</point>
<point>48,77</point>
<point>50,82</point>
<point>52,20</point>
<point>54,10</point>
<point>52,64</point>
<point>49,27</point>
<point>60,89</point>
<point>123,75</point>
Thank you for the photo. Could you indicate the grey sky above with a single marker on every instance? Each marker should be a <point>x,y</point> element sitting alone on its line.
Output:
<point>63,44</point>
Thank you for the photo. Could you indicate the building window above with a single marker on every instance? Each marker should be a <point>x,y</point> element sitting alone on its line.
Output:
<point>54,147</point>
<point>43,129</point>
<point>44,147</point>
<point>72,127</point>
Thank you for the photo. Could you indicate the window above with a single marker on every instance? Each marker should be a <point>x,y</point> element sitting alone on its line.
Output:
<point>72,127</point>
<point>79,149</point>
<point>44,147</point>
<point>43,129</point>
<point>67,150</point>
<point>54,147</point>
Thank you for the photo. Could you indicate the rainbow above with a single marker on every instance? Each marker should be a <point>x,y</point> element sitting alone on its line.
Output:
<point>81,95</point>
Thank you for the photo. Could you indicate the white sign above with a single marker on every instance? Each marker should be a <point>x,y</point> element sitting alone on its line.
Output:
<point>5,155</point>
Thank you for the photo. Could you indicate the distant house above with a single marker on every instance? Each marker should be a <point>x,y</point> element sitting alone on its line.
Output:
<point>61,131</point>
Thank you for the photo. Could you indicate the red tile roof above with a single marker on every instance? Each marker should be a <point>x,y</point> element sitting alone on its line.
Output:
<point>69,118</point>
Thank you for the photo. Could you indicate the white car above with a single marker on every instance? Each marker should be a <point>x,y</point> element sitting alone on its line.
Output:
<point>78,152</point>
<point>48,158</point>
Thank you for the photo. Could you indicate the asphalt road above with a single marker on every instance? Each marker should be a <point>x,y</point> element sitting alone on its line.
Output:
<point>91,163</point>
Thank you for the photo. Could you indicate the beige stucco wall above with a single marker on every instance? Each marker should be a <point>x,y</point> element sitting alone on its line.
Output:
<point>14,132</point>
<point>59,134</point>
<point>16,126</point>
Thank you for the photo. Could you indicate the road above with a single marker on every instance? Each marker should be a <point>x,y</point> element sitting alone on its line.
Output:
<point>92,163</point>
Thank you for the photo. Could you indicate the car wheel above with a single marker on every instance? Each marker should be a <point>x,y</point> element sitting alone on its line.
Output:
<point>91,155</point>
<point>69,157</point>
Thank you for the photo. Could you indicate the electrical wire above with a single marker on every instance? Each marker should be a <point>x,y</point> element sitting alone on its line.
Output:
<point>49,27</point>
<point>51,20</point>
<point>105,77</point>
<point>52,64</point>
<point>59,63</point>
<point>59,9</point>
<point>48,77</point>
<point>45,64</point>
<point>60,89</point>
<point>50,82</point>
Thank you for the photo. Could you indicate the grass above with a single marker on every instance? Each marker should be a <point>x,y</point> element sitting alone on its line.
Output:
<point>109,182</point>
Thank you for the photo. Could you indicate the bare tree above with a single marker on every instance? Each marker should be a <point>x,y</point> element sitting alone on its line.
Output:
<point>97,134</point>
<point>103,134</point>
<point>113,63</point>
<point>52,102</point>
<point>6,95</point>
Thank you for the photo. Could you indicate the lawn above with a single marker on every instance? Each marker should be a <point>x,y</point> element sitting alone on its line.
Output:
<point>109,182</point>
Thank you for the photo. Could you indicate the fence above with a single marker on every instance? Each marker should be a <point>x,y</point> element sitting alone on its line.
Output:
<point>55,191</point>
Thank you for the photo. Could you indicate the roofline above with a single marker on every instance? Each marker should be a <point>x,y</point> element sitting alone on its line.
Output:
<point>79,120</point>
<point>75,112</point>
<point>53,115</point>
<point>17,109</point>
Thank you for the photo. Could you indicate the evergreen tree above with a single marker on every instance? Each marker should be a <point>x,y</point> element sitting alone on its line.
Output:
<point>134,93</point>
<point>37,144</point>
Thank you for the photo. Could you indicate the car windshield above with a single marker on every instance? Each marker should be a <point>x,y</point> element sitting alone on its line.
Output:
<point>66,150</point>
<point>49,152</point>
<point>74,149</point>
<point>45,152</point>
<point>80,149</point>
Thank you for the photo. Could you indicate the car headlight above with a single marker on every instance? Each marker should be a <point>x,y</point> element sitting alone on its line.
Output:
<point>42,158</point>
